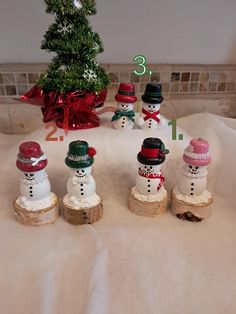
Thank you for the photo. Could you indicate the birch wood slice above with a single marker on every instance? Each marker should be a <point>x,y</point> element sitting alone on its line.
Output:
<point>145,208</point>
<point>82,216</point>
<point>191,212</point>
<point>39,217</point>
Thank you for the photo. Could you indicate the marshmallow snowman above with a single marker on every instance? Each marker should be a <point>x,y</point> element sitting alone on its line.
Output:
<point>124,116</point>
<point>35,188</point>
<point>150,118</point>
<point>193,181</point>
<point>150,179</point>
<point>81,186</point>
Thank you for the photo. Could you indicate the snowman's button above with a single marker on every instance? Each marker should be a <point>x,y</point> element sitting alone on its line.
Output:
<point>149,180</point>
<point>149,191</point>
<point>192,189</point>
<point>81,184</point>
<point>191,193</point>
<point>81,190</point>
<point>31,195</point>
<point>149,185</point>
<point>82,193</point>
<point>149,127</point>
<point>192,183</point>
<point>31,187</point>
<point>123,118</point>
<point>122,126</point>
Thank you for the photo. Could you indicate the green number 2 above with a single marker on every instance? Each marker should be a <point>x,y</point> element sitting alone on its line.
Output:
<point>142,63</point>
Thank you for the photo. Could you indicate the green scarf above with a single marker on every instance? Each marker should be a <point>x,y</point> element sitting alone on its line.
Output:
<point>119,114</point>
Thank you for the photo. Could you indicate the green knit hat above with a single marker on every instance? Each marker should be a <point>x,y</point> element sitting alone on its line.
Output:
<point>80,155</point>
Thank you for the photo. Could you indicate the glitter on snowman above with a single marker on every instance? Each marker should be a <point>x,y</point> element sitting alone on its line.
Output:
<point>193,181</point>
<point>81,186</point>
<point>124,116</point>
<point>150,178</point>
<point>35,188</point>
<point>150,118</point>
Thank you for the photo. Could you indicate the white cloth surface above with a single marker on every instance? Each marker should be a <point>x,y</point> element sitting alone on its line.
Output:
<point>124,263</point>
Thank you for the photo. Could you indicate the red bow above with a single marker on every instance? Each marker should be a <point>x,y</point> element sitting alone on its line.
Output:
<point>150,115</point>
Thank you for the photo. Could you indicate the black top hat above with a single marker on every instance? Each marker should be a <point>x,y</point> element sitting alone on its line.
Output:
<point>153,94</point>
<point>153,152</point>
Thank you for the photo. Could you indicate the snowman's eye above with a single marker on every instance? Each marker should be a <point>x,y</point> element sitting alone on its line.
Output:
<point>83,170</point>
<point>149,106</point>
<point>31,175</point>
<point>77,171</point>
<point>197,168</point>
<point>145,167</point>
<point>190,167</point>
<point>153,107</point>
<point>26,174</point>
<point>150,167</point>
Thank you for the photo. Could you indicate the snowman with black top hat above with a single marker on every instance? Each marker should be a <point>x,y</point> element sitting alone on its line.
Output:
<point>150,118</point>
<point>149,197</point>
<point>81,203</point>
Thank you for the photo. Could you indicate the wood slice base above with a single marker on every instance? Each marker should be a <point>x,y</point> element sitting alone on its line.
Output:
<point>145,208</point>
<point>190,212</point>
<point>82,216</point>
<point>39,217</point>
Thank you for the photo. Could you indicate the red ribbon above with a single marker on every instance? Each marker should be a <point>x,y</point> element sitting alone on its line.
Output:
<point>150,152</point>
<point>150,115</point>
<point>68,109</point>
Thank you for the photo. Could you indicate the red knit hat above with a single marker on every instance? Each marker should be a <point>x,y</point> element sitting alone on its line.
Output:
<point>30,157</point>
<point>126,93</point>
<point>197,153</point>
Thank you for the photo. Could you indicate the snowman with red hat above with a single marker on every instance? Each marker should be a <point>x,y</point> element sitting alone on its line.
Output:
<point>150,118</point>
<point>148,196</point>
<point>192,186</point>
<point>35,189</point>
<point>124,117</point>
<point>81,203</point>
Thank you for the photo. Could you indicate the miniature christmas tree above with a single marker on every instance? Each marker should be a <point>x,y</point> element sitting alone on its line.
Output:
<point>74,84</point>
<point>76,45</point>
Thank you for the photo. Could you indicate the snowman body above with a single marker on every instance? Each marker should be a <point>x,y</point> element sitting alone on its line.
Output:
<point>193,181</point>
<point>150,118</point>
<point>124,122</point>
<point>81,184</point>
<point>149,179</point>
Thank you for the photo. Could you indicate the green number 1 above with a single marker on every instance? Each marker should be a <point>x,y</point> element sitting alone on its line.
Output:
<point>174,129</point>
<point>142,64</point>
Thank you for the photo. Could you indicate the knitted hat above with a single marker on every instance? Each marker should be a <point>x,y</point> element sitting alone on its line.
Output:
<point>126,93</point>
<point>153,94</point>
<point>153,152</point>
<point>80,155</point>
<point>30,157</point>
<point>197,153</point>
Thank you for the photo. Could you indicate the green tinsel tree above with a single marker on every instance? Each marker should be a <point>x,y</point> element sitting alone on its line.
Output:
<point>76,46</point>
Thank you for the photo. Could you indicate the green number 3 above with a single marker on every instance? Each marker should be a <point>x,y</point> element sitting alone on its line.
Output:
<point>142,64</point>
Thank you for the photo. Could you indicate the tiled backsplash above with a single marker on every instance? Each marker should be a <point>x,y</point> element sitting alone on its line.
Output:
<point>187,89</point>
<point>16,79</point>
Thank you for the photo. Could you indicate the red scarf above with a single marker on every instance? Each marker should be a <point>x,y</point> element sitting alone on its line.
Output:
<point>153,176</point>
<point>150,115</point>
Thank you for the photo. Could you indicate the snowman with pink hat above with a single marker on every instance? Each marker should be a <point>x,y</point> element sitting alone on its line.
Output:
<point>192,186</point>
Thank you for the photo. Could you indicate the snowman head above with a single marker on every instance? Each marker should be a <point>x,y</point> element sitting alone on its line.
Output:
<point>31,176</point>
<point>149,169</point>
<point>195,170</point>
<point>151,107</point>
<point>125,106</point>
<point>81,172</point>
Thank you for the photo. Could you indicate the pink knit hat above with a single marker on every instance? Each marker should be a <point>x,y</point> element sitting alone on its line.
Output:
<point>197,153</point>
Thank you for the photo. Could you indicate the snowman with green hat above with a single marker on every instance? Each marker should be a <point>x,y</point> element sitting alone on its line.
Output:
<point>81,186</point>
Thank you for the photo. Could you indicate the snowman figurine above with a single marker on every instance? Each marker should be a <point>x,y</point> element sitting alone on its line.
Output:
<point>190,199</point>
<point>149,197</point>
<point>150,118</point>
<point>81,203</point>
<point>36,205</point>
<point>124,117</point>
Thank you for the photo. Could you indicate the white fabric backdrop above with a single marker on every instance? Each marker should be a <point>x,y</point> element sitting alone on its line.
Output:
<point>123,263</point>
